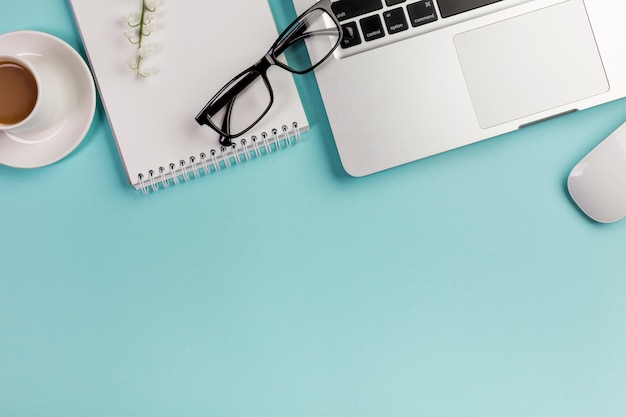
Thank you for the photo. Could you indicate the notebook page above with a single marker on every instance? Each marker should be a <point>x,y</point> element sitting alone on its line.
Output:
<point>198,46</point>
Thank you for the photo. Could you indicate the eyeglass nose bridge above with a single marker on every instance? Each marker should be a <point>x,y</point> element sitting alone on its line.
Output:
<point>263,64</point>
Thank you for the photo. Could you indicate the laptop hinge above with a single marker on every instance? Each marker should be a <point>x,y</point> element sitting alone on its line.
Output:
<point>548,118</point>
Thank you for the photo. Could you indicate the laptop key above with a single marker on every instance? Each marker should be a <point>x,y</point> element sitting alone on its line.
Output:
<point>372,28</point>
<point>421,12</point>
<point>351,35</point>
<point>453,7</point>
<point>347,9</point>
<point>394,2</point>
<point>395,20</point>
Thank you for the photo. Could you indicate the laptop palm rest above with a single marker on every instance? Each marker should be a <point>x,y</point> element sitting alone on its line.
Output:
<point>531,63</point>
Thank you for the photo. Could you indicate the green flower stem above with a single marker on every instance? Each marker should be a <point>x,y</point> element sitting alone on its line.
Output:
<point>141,34</point>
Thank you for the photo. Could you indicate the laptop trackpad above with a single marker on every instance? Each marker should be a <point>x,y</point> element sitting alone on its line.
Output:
<point>531,63</point>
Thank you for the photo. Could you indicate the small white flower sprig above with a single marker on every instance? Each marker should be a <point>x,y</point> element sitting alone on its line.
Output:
<point>141,27</point>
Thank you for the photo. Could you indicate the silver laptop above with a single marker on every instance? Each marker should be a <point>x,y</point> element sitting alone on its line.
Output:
<point>417,78</point>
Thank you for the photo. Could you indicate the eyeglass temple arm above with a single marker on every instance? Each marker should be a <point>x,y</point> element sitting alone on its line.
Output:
<point>211,109</point>
<point>300,33</point>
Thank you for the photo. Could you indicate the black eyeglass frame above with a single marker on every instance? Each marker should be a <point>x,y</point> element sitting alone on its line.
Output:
<point>239,83</point>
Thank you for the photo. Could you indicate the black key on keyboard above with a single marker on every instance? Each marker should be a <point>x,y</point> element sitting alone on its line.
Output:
<point>395,20</point>
<point>452,7</point>
<point>421,13</point>
<point>347,9</point>
<point>394,2</point>
<point>372,28</point>
<point>351,35</point>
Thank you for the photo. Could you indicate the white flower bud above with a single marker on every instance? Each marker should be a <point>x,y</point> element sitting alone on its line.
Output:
<point>144,51</point>
<point>146,72</point>
<point>132,62</point>
<point>130,34</point>
<point>151,4</point>
<point>131,19</point>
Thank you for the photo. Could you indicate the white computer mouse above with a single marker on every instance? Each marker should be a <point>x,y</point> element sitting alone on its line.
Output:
<point>597,183</point>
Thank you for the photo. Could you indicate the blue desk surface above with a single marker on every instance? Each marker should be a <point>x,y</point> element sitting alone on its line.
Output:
<point>466,284</point>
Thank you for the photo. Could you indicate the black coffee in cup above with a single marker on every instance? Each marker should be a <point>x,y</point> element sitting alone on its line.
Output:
<point>18,92</point>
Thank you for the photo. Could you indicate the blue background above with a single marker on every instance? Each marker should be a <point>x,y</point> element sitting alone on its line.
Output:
<point>466,284</point>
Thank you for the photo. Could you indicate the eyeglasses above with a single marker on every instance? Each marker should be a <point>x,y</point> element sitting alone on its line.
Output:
<point>243,101</point>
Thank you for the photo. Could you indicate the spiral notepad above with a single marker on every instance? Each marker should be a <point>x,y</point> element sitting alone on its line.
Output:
<point>197,46</point>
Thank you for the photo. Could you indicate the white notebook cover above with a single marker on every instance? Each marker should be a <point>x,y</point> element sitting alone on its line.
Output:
<point>198,46</point>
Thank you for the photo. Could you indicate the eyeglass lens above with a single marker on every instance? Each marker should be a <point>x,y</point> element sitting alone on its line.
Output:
<point>309,41</point>
<point>245,108</point>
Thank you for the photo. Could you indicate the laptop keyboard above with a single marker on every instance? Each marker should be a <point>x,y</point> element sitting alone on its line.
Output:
<point>370,23</point>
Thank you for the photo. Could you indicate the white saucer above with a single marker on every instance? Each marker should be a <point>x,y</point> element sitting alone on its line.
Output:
<point>76,105</point>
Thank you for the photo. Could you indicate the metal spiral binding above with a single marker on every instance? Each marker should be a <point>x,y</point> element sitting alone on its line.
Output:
<point>205,164</point>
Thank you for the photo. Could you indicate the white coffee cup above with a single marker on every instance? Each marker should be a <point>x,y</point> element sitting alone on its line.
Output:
<point>24,99</point>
